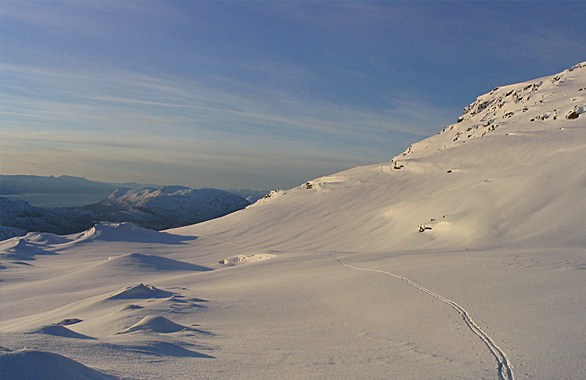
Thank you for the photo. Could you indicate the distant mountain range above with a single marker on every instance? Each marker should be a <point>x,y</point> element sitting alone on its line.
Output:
<point>166,207</point>
<point>20,184</point>
<point>149,207</point>
<point>65,184</point>
<point>23,217</point>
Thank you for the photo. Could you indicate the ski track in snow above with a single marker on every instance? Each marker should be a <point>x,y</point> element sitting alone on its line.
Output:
<point>504,366</point>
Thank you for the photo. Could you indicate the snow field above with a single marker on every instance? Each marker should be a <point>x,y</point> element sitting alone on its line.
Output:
<point>461,258</point>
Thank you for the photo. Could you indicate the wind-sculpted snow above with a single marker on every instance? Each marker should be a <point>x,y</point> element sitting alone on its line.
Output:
<point>156,324</point>
<point>30,364</point>
<point>141,291</point>
<point>45,238</point>
<point>21,249</point>
<point>169,349</point>
<point>128,232</point>
<point>60,330</point>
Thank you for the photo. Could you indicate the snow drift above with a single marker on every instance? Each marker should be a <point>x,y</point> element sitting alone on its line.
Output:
<point>127,232</point>
<point>32,365</point>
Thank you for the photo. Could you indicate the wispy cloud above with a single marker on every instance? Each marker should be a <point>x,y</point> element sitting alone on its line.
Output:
<point>138,99</point>
<point>224,85</point>
<point>84,17</point>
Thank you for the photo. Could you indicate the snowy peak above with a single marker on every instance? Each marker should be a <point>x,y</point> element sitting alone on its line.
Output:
<point>22,217</point>
<point>167,207</point>
<point>505,102</point>
<point>169,198</point>
<point>544,103</point>
<point>145,194</point>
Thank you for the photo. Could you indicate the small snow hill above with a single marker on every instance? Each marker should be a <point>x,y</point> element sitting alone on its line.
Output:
<point>30,364</point>
<point>510,172</point>
<point>126,232</point>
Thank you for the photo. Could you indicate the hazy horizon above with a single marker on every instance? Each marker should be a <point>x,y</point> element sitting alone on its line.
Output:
<point>75,194</point>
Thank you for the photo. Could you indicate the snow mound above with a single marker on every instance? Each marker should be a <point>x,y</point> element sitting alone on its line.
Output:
<point>141,291</point>
<point>60,330</point>
<point>142,262</point>
<point>160,348</point>
<point>20,249</point>
<point>30,364</point>
<point>45,238</point>
<point>128,232</point>
<point>155,323</point>
<point>243,259</point>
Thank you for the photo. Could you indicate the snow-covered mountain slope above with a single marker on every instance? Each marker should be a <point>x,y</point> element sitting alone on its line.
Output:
<point>19,215</point>
<point>462,258</point>
<point>512,171</point>
<point>166,207</point>
<point>156,208</point>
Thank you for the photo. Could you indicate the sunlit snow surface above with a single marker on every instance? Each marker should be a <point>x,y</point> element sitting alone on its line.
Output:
<point>463,258</point>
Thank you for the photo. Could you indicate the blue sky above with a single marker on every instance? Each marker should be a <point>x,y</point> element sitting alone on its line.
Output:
<point>254,94</point>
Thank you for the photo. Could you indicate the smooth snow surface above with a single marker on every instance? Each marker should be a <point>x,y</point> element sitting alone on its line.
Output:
<point>462,258</point>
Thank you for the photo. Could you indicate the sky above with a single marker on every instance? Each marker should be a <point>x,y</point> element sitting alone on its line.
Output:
<point>255,94</point>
